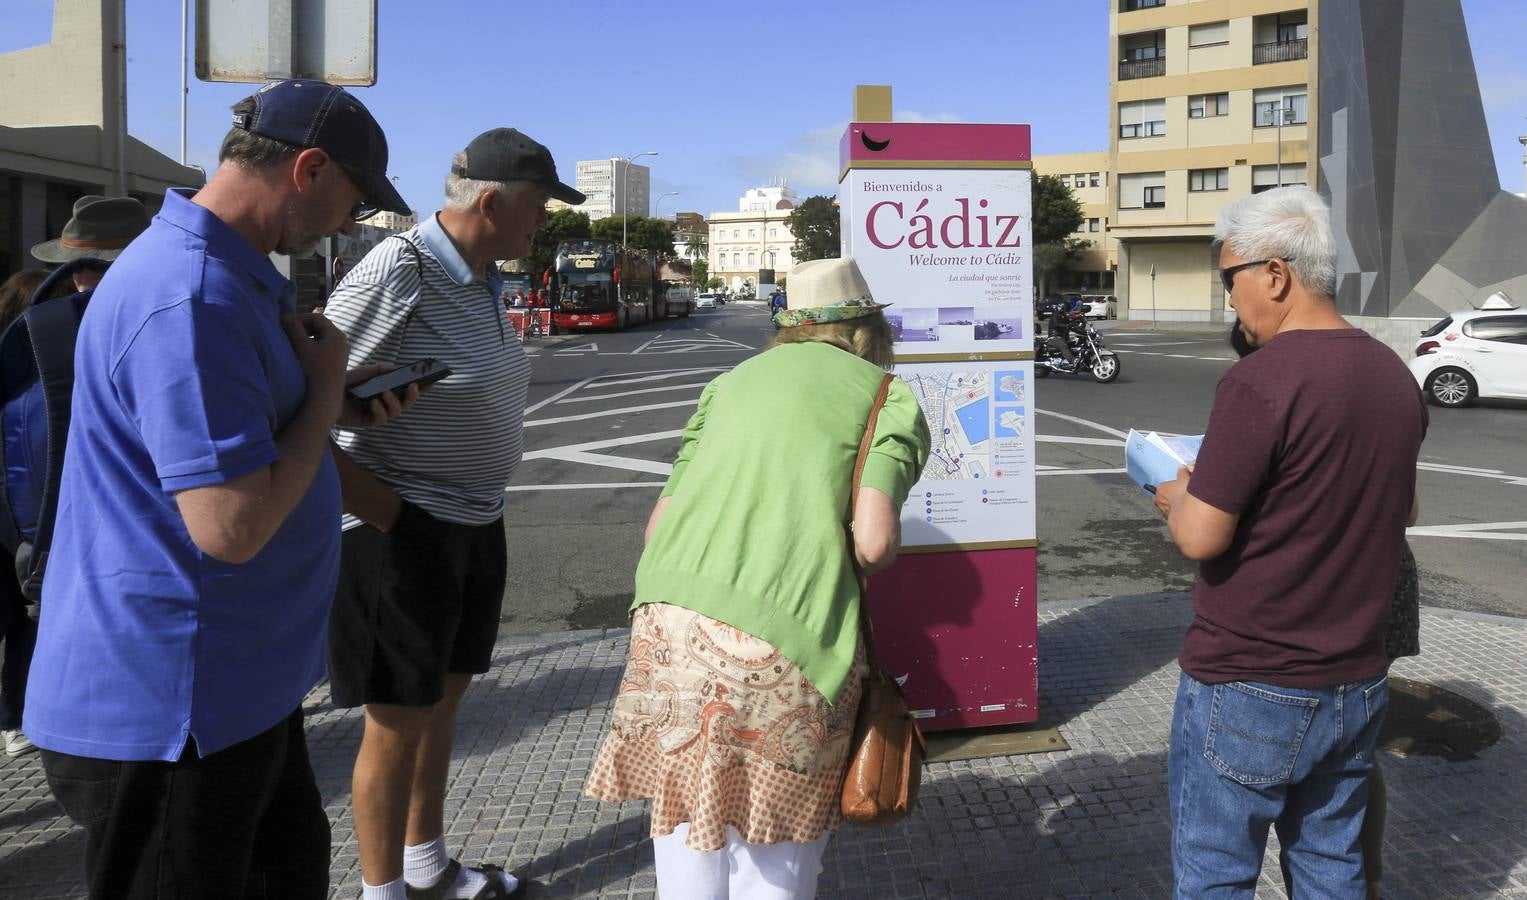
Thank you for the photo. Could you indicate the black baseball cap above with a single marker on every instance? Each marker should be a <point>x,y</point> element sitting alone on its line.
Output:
<point>504,154</point>
<point>306,113</point>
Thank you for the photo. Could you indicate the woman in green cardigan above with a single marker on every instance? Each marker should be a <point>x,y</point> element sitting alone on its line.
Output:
<point>743,678</point>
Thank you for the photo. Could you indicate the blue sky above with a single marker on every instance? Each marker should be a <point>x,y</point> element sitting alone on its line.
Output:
<point>730,95</point>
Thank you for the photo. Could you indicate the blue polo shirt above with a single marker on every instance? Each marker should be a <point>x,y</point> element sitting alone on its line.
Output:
<point>183,379</point>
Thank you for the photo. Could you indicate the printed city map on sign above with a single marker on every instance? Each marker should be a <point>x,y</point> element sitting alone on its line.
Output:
<point>978,486</point>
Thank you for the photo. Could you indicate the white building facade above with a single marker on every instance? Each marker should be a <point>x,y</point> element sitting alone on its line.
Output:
<point>754,237</point>
<point>612,185</point>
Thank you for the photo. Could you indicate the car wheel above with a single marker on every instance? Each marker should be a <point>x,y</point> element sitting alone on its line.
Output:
<point>1451,388</point>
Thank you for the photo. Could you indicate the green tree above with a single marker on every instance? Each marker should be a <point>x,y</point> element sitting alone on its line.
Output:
<point>816,228</point>
<point>1056,216</point>
<point>561,225</point>
<point>701,272</point>
<point>642,233</point>
<point>714,283</point>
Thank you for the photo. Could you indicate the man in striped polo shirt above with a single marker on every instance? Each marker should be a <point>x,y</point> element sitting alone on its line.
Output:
<point>423,567</point>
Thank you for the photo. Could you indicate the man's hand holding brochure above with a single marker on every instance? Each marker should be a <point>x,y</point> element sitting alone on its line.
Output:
<point>1152,458</point>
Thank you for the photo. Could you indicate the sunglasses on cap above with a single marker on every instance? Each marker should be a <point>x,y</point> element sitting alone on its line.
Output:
<point>1227,276</point>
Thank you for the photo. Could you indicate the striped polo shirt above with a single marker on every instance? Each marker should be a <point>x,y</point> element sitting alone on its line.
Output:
<point>454,451</point>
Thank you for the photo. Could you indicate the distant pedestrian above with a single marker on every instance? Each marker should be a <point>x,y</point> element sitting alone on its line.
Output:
<point>424,564</point>
<point>1296,509</point>
<point>743,679</point>
<point>197,538</point>
<point>16,293</point>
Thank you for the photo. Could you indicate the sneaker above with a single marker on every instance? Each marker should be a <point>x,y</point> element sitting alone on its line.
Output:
<point>17,743</point>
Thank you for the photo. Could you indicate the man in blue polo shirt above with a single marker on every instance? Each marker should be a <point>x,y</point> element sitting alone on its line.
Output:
<point>197,539</point>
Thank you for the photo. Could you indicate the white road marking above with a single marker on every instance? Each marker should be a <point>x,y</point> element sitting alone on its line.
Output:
<point>1081,472</point>
<point>552,452</point>
<point>626,463</point>
<point>1087,422</point>
<point>640,391</point>
<point>590,347</point>
<point>657,375</point>
<point>584,487</point>
<point>1483,531</point>
<point>557,396</point>
<point>1495,474</point>
<point>1096,442</point>
<point>611,412</point>
<point>1162,344</point>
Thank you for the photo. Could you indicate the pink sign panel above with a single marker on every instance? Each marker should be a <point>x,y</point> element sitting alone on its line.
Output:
<point>879,143</point>
<point>961,629</point>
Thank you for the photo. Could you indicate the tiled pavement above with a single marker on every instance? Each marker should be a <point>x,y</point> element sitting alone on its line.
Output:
<point>1086,822</point>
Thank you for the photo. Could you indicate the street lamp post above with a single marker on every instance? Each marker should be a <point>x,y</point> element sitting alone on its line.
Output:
<point>625,188</point>
<point>657,204</point>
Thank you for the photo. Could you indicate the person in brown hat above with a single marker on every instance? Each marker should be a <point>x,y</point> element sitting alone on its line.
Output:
<point>100,229</point>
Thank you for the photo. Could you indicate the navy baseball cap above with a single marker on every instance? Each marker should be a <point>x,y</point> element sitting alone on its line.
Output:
<point>505,154</point>
<point>306,113</point>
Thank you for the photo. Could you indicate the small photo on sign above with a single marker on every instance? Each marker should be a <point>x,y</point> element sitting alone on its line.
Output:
<point>1009,422</point>
<point>918,324</point>
<point>956,315</point>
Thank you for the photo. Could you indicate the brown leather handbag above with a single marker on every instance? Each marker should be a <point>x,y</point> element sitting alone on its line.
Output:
<point>886,757</point>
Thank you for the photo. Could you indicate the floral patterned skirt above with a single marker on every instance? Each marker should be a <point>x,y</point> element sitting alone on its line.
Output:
<point>717,728</point>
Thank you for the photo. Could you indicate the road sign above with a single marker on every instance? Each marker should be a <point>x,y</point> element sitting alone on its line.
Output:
<point>267,40</point>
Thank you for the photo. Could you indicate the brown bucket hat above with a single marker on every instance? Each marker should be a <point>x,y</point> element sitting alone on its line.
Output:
<point>100,228</point>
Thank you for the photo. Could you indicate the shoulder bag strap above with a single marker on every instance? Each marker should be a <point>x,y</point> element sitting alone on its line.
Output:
<point>853,503</point>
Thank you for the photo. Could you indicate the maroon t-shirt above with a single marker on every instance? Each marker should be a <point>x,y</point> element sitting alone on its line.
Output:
<point>1313,442</point>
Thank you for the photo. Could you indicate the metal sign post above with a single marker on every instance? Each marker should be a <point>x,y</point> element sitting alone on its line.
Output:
<point>1153,296</point>
<point>266,40</point>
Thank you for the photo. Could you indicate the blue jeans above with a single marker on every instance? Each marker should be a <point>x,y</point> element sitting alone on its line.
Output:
<point>1245,756</point>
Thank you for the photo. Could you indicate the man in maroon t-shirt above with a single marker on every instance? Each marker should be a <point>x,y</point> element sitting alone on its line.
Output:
<point>1296,509</point>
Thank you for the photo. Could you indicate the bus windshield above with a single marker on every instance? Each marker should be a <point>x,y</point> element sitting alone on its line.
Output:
<point>587,291</point>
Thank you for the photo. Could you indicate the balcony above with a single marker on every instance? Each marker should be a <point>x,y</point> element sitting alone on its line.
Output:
<point>1130,69</point>
<point>1132,5</point>
<point>1279,51</point>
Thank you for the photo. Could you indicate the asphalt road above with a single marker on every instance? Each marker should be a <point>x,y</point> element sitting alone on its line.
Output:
<point>606,411</point>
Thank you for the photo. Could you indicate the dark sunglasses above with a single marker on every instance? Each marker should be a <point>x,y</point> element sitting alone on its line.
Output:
<point>366,208</point>
<point>1227,276</point>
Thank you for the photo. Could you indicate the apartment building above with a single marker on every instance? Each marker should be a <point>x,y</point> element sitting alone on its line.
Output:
<point>1088,176</point>
<point>612,185</point>
<point>1210,100</point>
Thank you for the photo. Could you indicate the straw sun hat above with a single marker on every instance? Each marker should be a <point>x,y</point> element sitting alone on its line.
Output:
<point>826,290</point>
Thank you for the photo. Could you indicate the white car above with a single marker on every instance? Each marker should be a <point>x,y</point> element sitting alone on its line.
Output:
<point>1099,306</point>
<point>1473,354</point>
<point>705,301</point>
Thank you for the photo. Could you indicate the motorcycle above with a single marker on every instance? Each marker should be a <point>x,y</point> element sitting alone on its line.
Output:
<point>1087,349</point>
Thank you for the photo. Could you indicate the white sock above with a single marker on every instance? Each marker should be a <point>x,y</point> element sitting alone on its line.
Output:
<point>392,890</point>
<point>423,864</point>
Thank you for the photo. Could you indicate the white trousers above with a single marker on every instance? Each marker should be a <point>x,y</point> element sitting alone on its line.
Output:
<point>738,871</point>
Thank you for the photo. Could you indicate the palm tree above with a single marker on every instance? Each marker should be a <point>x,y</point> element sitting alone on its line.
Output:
<point>696,246</point>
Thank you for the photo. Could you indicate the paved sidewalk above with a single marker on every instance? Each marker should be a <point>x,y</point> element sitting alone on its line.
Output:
<point>1088,822</point>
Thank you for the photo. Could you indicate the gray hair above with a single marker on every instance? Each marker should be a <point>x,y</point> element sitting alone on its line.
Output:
<point>1289,223</point>
<point>463,193</point>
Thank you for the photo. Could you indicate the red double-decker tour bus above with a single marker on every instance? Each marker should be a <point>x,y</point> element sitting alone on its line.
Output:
<point>596,284</point>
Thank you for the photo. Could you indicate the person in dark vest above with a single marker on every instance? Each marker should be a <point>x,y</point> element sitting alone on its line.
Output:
<point>96,234</point>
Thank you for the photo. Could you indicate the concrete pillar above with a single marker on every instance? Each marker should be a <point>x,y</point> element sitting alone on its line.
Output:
<point>32,226</point>
<point>1121,281</point>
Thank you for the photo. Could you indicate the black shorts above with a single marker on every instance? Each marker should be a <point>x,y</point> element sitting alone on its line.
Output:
<point>412,605</point>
